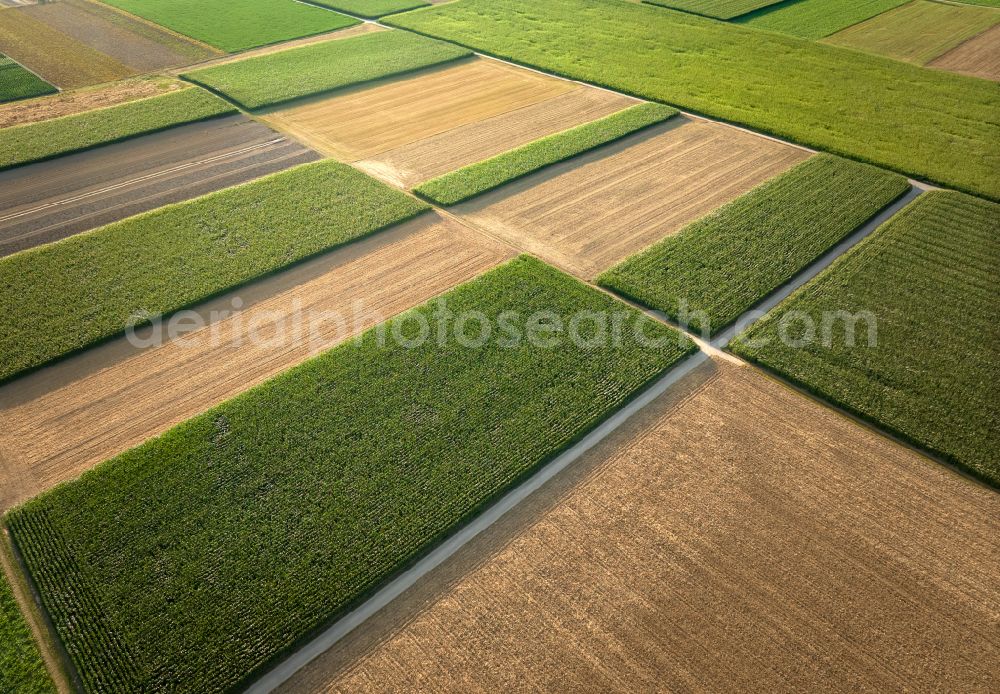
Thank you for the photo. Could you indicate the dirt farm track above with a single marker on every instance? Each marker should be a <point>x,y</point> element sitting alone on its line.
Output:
<point>734,535</point>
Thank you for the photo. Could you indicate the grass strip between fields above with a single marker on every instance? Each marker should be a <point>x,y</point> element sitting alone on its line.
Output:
<point>475,179</point>
<point>270,515</point>
<point>925,123</point>
<point>925,287</point>
<point>18,83</point>
<point>721,266</point>
<point>815,19</point>
<point>371,9</point>
<point>22,669</point>
<point>25,144</point>
<point>717,9</point>
<point>277,78</point>
<point>73,294</point>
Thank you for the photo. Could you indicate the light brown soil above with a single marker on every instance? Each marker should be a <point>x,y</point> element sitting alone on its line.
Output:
<point>86,99</point>
<point>979,56</point>
<point>425,159</point>
<point>591,212</point>
<point>733,536</point>
<point>363,122</point>
<point>60,421</point>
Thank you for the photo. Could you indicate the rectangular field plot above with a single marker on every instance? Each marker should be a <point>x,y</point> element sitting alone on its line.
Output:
<point>271,514</point>
<point>733,531</point>
<point>61,421</point>
<point>918,32</point>
<point>597,209</point>
<point>919,297</point>
<point>814,19</point>
<point>17,83</point>
<point>978,57</point>
<point>719,9</point>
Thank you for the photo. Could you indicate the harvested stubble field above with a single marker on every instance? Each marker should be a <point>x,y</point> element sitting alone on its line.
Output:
<point>17,83</point>
<point>266,517</point>
<point>22,670</point>
<point>814,19</point>
<point>61,421</point>
<point>596,210</point>
<point>719,9</point>
<point>919,31</point>
<point>70,295</point>
<point>734,535</point>
<point>978,57</point>
<point>61,60</point>
<point>721,266</point>
<point>760,79</point>
<point>929,278</point>
<point>247,23</point>
<point>365,122</point>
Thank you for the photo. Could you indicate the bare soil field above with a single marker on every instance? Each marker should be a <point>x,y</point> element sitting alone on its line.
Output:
<point>979,57</point>
<point>51,200</point>
<point>85,99</point>
<point>140,45</point>
<point>733,536</point>
<point>57,58</point>
<point>593,211</point>
<point>363,122</point>
<point>60,421</point>
<point>420,161</point>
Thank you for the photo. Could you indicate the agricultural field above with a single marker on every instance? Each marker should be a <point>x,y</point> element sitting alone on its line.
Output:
<point>17,83</point>
<point>923,379</point>
<point>278,78</point>
<point>754,78</point>
<point>815,19</point>
<point>67,296</point>
<point>62,421</point>
<point>592,212</point>
<point>732,515</point>
<point>721,266</point>
<point>21,667</point>
<point>372,8</point>
<point>977,57</point>
<point>719,9</point>
<point>248,23</point>
<point>919,31</point>
<point>476,179</point>
<point>318,491</point>
<point>26,144</point>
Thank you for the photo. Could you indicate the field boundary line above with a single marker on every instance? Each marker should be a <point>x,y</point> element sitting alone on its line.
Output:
<point>28,69</point>
<point>159,27</point>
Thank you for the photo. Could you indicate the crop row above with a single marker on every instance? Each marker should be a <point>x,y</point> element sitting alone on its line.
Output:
<point>21,667</point>
<point>18,83</point>
<point>207,552</point>
<point>902,330</point>
<point>719,267</point>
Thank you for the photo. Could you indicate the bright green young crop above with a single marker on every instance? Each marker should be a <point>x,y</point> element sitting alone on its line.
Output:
<point>21,667</point>
<point>372,9</point>
<point>719,9</point>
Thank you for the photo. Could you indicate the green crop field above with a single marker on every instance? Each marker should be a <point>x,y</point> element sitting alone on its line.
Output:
<point>236,25</point>
<point>723,265</point>
<point>930,277</point>
<point>814,19</point>
<point>288,75</point>
<point>719,9</point>
<point>18,83</point>
<point>68,295</point>
<point>268,516</point>
<point>917,32</point>
<point>371,9</point>
<point>21,668</point>
<point>24,144</point>
<point>475,179</point>
<point>925,123</point>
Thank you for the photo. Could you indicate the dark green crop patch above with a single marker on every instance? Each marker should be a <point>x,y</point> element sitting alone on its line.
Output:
<point>21,667</point>
<point>18,83</point>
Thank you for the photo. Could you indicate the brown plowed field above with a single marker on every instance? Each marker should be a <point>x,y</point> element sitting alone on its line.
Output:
<point>733,536</point>
<point>363,122</point>
<point>425,159</point>
<point>60,421</point>
<point>57,58</point>
<point>137,44</point>
<point>979,56</point>
<point>595,210</point>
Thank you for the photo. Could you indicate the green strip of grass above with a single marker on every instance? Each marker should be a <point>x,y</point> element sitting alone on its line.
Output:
<point>719,9</point>
<point>925,123</point>
<point>24,144</point>
<point>280,77</point>
<point>473,180</point>
<point>930,278</point>
<point>21,667</point>
<point>267,517</point>
<point>721,266</point>
<point>237,25</point>
<point>67,296</point>
<point>814,19</point>
<point>18,83</point>
<point>372,9</point>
